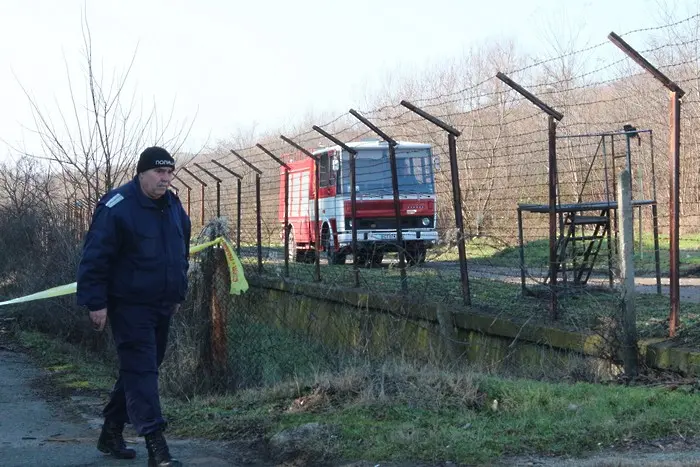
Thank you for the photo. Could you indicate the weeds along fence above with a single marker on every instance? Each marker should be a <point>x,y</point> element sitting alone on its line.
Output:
<point>40,248</point>
<point>264,338</point>
<point>615,115</point>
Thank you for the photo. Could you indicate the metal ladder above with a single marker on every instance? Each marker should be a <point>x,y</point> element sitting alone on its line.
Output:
<point>578,247</point>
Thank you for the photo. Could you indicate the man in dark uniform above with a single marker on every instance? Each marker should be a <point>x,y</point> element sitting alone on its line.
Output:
<point>134,271</point>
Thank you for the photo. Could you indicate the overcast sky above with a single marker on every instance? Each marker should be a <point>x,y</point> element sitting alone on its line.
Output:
<point>267,63</point>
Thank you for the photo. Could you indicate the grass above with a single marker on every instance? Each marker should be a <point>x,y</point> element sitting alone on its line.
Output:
<point>493,252</point>
<point>263,355</point>
<point>588,308</point>
<point>400,412</point>
<point>70,366</point>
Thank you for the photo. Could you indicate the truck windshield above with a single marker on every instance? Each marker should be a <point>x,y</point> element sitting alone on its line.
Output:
<point>373,172</point>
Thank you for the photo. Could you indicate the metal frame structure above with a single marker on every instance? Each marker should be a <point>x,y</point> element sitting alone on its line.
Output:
<point>608,207</point>
<point>674,162</point>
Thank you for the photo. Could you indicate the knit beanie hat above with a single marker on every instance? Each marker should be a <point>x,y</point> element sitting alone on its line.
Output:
<point>154,157</point>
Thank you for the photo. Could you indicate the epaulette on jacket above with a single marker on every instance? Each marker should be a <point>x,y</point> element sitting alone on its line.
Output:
<point>114,200</point>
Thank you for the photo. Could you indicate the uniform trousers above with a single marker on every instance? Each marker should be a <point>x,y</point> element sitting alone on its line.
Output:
<point>140,335</point>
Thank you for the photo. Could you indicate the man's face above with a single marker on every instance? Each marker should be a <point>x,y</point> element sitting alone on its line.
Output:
<point>155,182</point>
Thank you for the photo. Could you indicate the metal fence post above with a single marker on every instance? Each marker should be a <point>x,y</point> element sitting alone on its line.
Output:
<point>352,154</point>
<point>202,185</point>
<point>317,183</point>
<point>395,190</point>
<point>286,205</point>
<point>218,188</point>
<point>452,134</point>
<point>552,149</point>
<point>189,193</point>
<point>238,204</point>
<point>676,93</point>
<point>258,213</point>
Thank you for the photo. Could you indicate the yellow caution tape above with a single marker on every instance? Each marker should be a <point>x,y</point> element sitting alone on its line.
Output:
<point>49,293</point>
<point>202,246</point>
<point>239,284</point>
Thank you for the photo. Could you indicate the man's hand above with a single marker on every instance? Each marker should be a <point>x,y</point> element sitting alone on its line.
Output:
<point>176,308</point>
<point>99,319</point>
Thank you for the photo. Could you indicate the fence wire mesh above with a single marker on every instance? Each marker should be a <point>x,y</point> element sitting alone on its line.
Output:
<point>502,159</point>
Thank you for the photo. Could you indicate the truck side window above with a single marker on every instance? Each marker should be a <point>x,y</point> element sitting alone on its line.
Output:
<point>328,170</point>
<point>324,169</point>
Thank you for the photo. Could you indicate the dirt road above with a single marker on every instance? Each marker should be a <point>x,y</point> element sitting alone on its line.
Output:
<point>36,432</point>
<point>689,286</point>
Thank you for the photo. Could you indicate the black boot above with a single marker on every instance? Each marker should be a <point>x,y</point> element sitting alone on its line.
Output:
<point>112,441</point>
<point>158,453</point>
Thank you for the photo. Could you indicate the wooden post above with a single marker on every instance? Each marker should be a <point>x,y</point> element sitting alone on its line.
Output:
<point>626,249</point>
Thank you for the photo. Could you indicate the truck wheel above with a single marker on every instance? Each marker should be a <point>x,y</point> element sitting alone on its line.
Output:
<point>337,259</point>
<point>332,256</point>
<point>295,255</point>
<point>415,256</point>
<point>308,256</point>
<point>362,260</point>
<point>292,253</point>
<point>376,260</point>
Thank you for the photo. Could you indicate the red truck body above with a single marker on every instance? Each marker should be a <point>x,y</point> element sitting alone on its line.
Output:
<point>375,215</point>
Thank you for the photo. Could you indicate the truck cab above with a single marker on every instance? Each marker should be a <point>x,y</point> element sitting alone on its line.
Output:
<point>374,213</point>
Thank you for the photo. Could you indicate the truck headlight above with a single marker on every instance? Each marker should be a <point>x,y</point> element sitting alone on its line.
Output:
<point>426,221</point>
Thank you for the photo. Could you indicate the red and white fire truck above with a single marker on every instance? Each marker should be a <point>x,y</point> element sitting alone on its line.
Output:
<point>375,215</point>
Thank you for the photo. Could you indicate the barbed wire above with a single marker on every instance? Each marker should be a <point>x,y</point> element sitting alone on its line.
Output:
<point>502,154</point>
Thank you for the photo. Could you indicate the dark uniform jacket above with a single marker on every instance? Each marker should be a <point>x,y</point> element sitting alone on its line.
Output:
<point>136,250</point>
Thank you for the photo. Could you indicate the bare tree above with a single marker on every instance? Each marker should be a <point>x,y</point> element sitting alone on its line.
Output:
<point>96,141</point>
